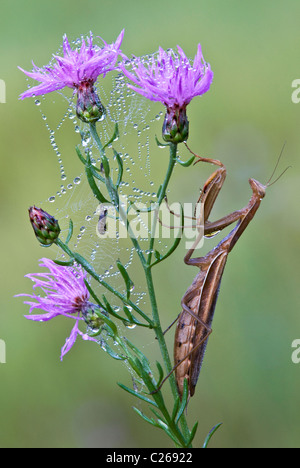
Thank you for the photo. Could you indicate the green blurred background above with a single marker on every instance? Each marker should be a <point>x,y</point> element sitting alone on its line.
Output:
<point>248,381</point>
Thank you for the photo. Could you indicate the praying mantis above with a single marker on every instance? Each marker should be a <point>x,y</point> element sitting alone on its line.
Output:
<point>199,302</point>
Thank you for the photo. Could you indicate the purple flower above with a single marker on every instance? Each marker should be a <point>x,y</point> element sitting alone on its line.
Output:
<point>65,294</point>
<point>78,69</point>
<point>171,79</point>
<point>75,68</point>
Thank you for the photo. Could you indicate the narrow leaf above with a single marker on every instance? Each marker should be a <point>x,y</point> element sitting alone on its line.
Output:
<point>128,282</point>
<point>175,408</point>
<point>184,400</point>
<point>70,232</point>
<point>61,263</point>
<point>120,164</point>
<point>137,395</point>
<point>186,163</point>
<point>114,137</point>
<point>159,144</point>
<point>82,159</point>
<point>93,294</point>
<point>105,346</point>
<point>193,433</point>
<point>93,186</point>
<point>161,373</point>
<point>210,434</point>
<point>145,418</point>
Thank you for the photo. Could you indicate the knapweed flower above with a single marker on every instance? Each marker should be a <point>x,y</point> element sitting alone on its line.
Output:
<point>65,294</point>
<point>46,228</point>
<point>171,79</point>
<point>77,69</point>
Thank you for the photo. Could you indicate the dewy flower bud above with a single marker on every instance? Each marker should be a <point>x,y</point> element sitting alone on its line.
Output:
<point>89,108</point>
<point>176,125</point>
<point>46,228</point>
<point>91,318</point>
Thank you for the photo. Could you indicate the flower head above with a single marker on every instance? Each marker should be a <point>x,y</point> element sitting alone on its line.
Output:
<point>76,67</point>
<point>65,295</point>
<point>171,79</point>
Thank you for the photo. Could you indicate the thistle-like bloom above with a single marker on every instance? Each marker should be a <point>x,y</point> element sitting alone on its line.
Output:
<point>65,295</point>
<point>77,69</point>
<point>171,79</point>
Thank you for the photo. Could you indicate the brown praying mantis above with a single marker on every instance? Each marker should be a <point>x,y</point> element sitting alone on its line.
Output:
<point>199,302</point>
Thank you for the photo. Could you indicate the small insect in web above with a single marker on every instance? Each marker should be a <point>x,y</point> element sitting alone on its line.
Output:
<point>102,222</point>
<point>199,301</point>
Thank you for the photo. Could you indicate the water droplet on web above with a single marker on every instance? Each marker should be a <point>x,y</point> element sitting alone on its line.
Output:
<point>37,102</point>
<point>131,326</point>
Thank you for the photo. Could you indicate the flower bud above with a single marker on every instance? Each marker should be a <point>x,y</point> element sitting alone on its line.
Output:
<point>92,319</point>
<point>176,125</point>
<point>89,108</point>
<point>46,228</point>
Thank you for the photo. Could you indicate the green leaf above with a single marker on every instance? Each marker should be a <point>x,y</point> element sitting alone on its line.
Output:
<point>192,434</point>
<point>129,315</point>
<point>93,294</point>
<point>105,346</point>
<point>167,430</point>
<point>175,408</point>
<point>159,144</point>
<point>93,185</point>
<point>210,434</point>
<point>70,233</point>
<point>137,395</point>
<point>120,164</point>
<point>161,373</point>
<point>145,418</point>
<point>106,167</point>
<point>61,263</point>
<point>143,359</point>
<point>186,163</point>
<point>158,255</point>
<point>82,159</point>
<point>116,135</point>
<point>128,282</point>
<point>110,311</point>
<point>184,400</point>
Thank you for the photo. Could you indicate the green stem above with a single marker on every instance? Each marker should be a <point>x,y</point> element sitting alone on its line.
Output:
<point>113,192</point>
<point>163,189</point>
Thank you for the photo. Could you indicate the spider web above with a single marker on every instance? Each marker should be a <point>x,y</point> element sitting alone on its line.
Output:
<point>139,120</point>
